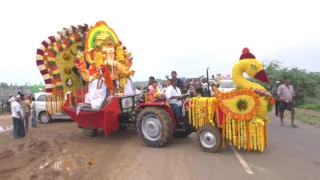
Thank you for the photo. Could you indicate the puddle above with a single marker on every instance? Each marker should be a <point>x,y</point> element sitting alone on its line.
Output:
<point>5,128</point>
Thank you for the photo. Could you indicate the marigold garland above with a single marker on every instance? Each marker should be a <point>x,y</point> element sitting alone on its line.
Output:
<point>202,111</point>
<point>243,131</point>
<point>228,103</point>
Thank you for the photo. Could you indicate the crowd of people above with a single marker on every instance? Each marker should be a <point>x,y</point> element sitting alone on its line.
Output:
<point>172,91</point>
<point>22,109</point>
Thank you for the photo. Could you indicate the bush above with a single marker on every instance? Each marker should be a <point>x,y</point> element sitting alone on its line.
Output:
<point>315,107</point>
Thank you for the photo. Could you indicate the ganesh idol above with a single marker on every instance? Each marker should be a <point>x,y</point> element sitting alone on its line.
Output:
<point>109,61</point>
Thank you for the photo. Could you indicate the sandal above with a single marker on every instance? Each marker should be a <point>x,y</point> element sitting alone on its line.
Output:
<point>293,125</point>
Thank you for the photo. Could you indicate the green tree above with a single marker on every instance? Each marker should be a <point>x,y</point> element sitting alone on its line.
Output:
<point>306,84</point>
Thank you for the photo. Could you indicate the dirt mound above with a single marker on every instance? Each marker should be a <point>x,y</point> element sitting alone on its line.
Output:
<point>6,154</point>
<point>25,154</point>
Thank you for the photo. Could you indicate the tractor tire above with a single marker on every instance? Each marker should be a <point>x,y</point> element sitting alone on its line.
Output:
<point>154,126</point>
<point>183,134</point>
<point>90,132</point>
<point>209,138</point>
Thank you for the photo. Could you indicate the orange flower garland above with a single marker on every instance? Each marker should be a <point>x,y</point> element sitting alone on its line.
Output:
<point>224,97</point>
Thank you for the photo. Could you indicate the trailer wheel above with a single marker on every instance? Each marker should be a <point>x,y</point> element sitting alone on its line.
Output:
<point>154,126</point>
<point>209,138</point>
<point>90,132</point>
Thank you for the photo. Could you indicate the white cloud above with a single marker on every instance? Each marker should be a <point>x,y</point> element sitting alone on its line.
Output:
<point>186,36</point>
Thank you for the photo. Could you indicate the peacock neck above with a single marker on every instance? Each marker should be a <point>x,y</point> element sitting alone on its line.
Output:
<point>241,82</point>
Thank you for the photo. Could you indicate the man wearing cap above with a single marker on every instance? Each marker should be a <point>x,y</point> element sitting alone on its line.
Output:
<point>276,97</point>
<point>17,117</point>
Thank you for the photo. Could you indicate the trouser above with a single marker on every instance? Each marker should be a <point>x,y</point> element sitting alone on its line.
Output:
<point>176,110</point>
<point>26,119</point>
<point>33,119</point>
<point>277,106</point>
<point>18,127</point>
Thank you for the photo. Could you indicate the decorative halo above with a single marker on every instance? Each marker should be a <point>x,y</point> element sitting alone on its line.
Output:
<point>47,53</point>
<point>89,43</point>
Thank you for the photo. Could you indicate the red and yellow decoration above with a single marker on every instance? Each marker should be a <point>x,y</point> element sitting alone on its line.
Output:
<point>240,114</point>
<point>54,62</point>
<point>229,103</point>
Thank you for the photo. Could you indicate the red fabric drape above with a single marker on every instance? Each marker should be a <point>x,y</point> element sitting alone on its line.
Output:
<point>106,118</point>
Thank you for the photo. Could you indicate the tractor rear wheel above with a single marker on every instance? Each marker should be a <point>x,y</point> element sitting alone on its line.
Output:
<point>154,126</point>
<point>90,132</point>
<point>209,138</point>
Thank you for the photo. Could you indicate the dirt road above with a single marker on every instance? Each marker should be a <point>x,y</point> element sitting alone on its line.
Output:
<point>60,151</point>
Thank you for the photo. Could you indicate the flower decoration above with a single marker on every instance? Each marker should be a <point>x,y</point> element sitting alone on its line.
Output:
<point>69,82</point>
<point>271,102</point>
<point>261,92</point>
<point>242,104</point>
<point>67,70</point>
<point>194,94</point>
<point>66,56</point>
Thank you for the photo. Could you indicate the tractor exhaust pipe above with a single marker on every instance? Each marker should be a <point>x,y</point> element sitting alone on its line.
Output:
<point>209,92</point>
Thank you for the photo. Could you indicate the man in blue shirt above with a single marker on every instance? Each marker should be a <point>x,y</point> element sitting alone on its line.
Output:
<point>180,83</point>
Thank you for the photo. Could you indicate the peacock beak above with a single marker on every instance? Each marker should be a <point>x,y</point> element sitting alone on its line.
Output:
<point>262,76</point>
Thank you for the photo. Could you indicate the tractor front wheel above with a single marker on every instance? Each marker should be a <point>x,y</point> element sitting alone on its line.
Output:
<point>209,138</point>
<point>154,126</point>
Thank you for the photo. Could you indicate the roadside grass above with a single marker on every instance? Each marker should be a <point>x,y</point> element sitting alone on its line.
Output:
<point>308,116</point>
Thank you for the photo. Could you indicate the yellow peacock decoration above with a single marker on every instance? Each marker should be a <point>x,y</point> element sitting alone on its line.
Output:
<point>241,115</point>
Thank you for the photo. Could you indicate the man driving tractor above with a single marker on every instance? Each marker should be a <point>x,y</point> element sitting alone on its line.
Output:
<point>173,96</point>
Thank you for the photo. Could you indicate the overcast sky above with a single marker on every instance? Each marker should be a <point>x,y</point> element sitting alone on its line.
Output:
<point>186,36</point>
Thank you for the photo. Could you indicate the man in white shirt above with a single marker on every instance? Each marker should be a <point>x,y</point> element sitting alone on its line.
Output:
<point>17,117</point>
<point>173,96</point>
<point>33,112</point>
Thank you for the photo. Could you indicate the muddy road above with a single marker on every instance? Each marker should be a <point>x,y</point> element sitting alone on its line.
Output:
<point>60,151</point>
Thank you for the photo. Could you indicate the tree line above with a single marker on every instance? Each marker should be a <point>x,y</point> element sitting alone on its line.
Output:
<point>305,83</point>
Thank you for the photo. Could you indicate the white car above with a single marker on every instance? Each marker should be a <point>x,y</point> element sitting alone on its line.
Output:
<point>226,85</point>
<point>41,109</point>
